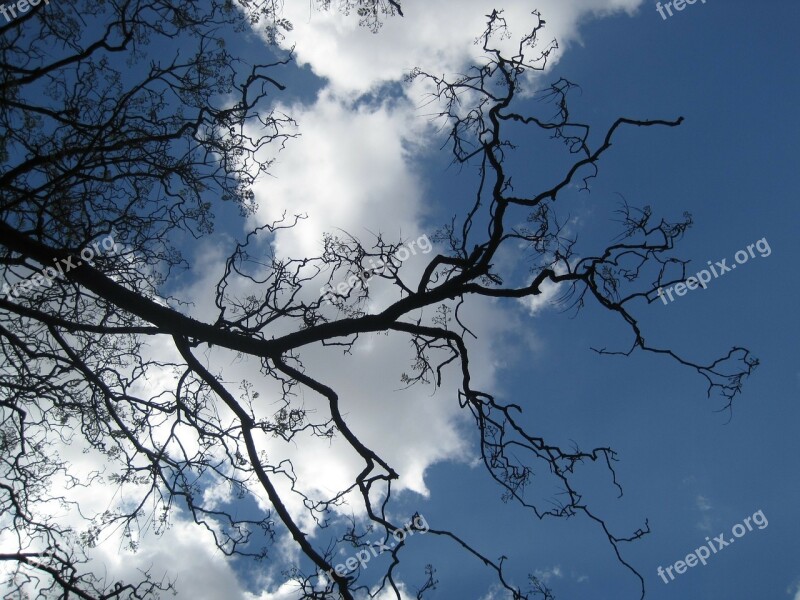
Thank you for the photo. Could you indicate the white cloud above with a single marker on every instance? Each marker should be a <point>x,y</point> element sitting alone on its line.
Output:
<point>438,36</point>
<point>496,592</point>
<point>704,506</point>
<point>794,590</point>
<point>547,574</point>
<point>350,169</point>
<point>703,503</point>
<point>546,299</point>
<point>389,594</point>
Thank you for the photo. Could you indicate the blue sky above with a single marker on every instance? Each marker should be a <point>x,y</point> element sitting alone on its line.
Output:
<point>723,67</point>
<point>692,471</point>
<point>369,159</point>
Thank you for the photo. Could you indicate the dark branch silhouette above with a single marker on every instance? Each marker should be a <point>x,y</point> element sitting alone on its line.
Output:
<point>88,153</point>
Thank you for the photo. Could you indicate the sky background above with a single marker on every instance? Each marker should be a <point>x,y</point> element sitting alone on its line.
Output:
<point>369,159</point>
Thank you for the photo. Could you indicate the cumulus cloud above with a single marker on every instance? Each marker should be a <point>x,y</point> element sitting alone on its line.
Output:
<point>437,35</point>
<point>353,169</point>
<point>350,169</point>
